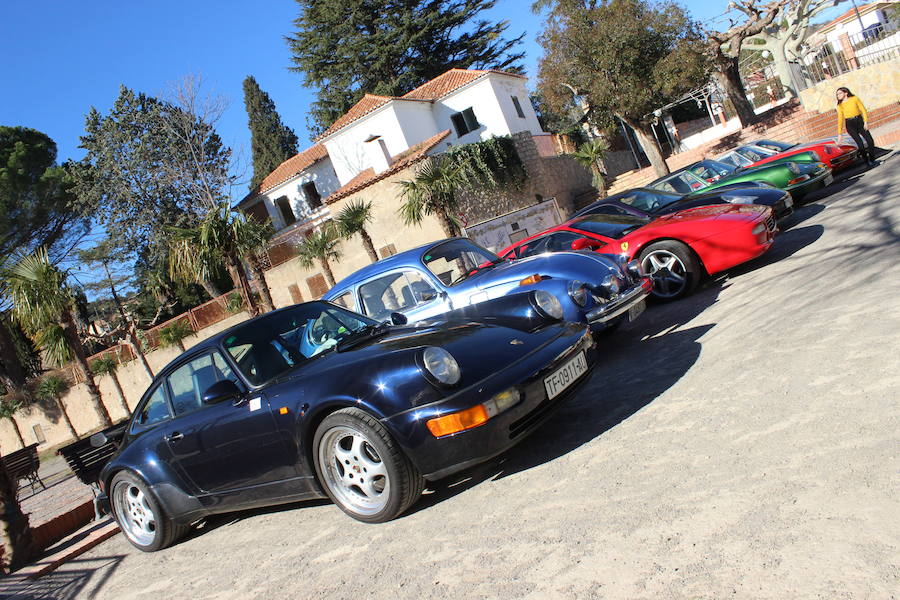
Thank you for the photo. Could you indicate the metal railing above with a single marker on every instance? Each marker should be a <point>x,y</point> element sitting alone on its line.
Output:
<point>851,52</point>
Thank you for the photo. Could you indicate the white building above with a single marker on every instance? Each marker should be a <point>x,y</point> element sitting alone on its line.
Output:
<point>379,133</point>
<point>856,23</point>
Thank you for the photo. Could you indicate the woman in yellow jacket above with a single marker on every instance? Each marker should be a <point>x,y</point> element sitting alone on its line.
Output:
<point>851,110</point>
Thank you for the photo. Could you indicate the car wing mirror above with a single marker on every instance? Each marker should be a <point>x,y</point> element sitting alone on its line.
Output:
<point>398,318</point>
<point>584,244</point>
<point>221,390</point>
<point>98,440</point>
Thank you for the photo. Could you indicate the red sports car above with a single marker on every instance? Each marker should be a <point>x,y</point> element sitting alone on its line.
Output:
<point>676,249</point>
<point>762,152</point>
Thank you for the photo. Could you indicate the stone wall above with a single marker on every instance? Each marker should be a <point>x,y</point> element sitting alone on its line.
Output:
<point>877,86</point>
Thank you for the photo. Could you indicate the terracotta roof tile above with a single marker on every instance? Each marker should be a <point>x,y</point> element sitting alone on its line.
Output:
<point>367,104</point>
<point>289,168</point>
<point>399,162</point>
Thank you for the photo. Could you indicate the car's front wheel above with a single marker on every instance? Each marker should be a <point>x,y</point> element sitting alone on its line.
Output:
<point>139,515</point>
<point>673,268</point>
<point>362,469</point>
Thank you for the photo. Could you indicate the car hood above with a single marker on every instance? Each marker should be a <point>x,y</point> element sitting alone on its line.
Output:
<point>580,265</point>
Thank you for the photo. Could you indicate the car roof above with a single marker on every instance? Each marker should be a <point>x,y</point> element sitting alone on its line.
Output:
<point>401,259</point>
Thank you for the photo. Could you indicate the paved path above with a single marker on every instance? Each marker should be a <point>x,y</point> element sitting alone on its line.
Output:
<point>741,443</point>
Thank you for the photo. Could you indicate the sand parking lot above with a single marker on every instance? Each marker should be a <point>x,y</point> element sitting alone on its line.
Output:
<point>742,443</point>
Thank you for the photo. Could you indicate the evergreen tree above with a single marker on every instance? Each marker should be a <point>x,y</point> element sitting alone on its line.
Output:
<point>346,48</point>
<point>271,141</point>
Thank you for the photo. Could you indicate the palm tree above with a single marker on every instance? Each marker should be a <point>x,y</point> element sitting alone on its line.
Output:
<point>432,192</point>
<point>223,237</point>
<point>9,406</point>
<point>319,247</point>
<point>353,219</point>
<point>51,388</point>
<point>590,154</point>
<point>107,365</point>
<point>44,305</point>
<point>173,334</point>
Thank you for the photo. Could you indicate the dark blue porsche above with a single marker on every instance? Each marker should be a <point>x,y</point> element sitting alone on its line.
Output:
<point>315,400</point>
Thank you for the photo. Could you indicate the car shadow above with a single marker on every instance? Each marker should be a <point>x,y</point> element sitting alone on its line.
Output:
<point>212,522</point>
<point>786,244</point>
<point>637,364</point>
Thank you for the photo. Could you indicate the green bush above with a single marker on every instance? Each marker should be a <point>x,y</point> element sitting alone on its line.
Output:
<point>51,386</point>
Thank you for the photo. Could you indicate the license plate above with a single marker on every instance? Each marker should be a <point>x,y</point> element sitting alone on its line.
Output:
<point>635,311</point>
<point>829,179</point>
<point>565,376</point>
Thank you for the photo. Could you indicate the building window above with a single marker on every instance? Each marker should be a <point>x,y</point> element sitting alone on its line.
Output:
<point>317,285</point>
<point>287,213</point>
<point>518,107</point>
<point>312,195</point>
<point>258,213</point>
<point>464,122</point>
<point>296,296</point>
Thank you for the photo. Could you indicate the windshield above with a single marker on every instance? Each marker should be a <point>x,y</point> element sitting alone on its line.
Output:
<point>681,182</point>
<point>610,226</point>
<point>773,145</point>
<point>755,153</point>
<point>456,260</point>
<point>648,200</point>
<point>265,348</point>
<point>733,158</point>
<point>711,170</point>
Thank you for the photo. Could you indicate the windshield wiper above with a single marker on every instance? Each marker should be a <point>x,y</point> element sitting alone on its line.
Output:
<point>362,334</point>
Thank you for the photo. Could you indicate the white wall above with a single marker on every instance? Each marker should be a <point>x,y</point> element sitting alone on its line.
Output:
<point>852,27</point>
<point>416,121</point>
<point>321,173</point>
<point>347,147</point>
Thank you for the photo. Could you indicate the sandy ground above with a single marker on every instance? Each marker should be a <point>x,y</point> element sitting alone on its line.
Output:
<point>742,443</point>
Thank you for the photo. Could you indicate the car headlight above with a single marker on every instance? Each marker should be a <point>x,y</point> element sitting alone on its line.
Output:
<point>548,304</point>
<point>441,365</point>
<point>793,168</point>
<point>734,199</point>
<point>577,292</point>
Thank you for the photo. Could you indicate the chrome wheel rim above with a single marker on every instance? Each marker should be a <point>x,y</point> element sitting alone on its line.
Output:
<point>353,470</point>
<point>133,511</point>
<point>667,271</point>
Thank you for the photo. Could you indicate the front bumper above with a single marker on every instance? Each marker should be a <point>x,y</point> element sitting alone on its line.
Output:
<point>619,305</point>
<point>437,458</point>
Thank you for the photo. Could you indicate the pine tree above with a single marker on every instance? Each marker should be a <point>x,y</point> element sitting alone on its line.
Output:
<point>271,141</point>
<point>346,48</point>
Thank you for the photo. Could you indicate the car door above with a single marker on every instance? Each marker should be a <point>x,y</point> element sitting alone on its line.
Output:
<point>226,446</point>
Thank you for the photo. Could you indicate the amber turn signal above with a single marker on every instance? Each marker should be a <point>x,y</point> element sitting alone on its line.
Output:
<point>531,279</point>
<point>458,421</point>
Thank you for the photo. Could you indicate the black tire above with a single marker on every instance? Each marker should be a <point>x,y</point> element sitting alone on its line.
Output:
<point>673,268</point>
<point>140,516</point>
<point>350,445</point>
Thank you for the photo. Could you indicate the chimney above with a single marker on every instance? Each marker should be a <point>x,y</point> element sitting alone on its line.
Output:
<point>379,157</point>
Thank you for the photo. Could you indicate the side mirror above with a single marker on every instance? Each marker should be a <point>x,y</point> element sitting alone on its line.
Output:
<point>98,440</point>
<point>221,390</point>
<point>398,318</point>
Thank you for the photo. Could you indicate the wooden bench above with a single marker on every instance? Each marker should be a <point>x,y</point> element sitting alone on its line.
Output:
<point>24,464</point>
<point>86,461</point>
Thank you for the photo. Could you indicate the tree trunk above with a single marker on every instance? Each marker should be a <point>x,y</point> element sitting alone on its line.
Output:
<point>260,276</point>
<point>115,379</point>
<point>239,278</point>
<point>728,76</point>
<point>16,540</point>
<point>599,179</point>
<point>648,144</point>
<point>65,416</point>
<point>326,269</point>
<point>68,326</point>
<point>135,343</point>
<point>18,431</point>
<point>447,224</point>
<point>12,375</point>
<point>368,245</point>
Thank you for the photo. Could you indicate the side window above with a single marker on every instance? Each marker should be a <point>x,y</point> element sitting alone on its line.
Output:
<point>189,381</point>
<point>534,247</point>
<point>346,300</point>
<point>612,209</point>
<point>560,241</point>
<point>395,292</point>
<point>156,408</point>
<point>518,107</point>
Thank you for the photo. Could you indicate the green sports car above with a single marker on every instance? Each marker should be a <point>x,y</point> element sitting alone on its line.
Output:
<point>797,178</point>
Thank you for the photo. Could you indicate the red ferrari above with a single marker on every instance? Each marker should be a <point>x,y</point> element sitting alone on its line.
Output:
<point>762,152</point>
<point>676,249</point>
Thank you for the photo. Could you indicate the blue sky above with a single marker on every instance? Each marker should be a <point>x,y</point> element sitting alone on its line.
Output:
<point>64,57</point>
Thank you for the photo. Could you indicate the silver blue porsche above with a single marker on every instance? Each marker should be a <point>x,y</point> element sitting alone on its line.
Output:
<point>425,282</point>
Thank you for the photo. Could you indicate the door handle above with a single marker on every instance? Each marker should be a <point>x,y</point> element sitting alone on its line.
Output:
<point>175,437</point>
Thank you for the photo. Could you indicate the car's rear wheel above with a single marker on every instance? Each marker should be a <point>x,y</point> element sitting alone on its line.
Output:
<point>139,515</point>
<point>362,469</point>
<point>673,268</point>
